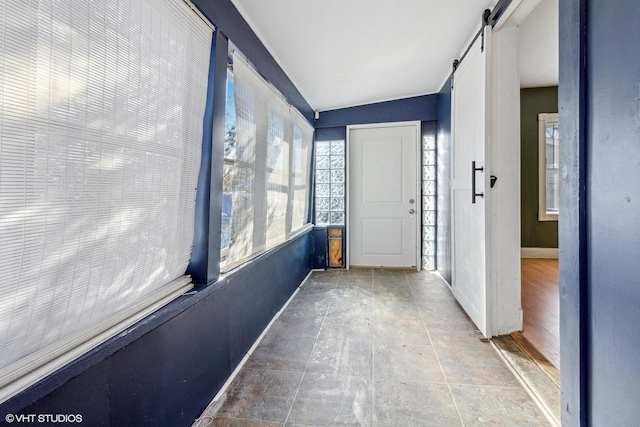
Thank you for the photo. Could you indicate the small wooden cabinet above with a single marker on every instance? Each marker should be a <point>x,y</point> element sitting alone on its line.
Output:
<point>336,247</point>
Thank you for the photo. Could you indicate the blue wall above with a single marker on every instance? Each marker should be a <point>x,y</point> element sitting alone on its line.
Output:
<point>331,134</point>
<point>613,209</point>
<point>422,108</point>
<point>599,249</point>
<point>443,232</point>
<point>332,125</point>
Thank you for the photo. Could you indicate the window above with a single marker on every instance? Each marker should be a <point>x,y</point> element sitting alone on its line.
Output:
<point>267,167</point>
<point>330,182</point>
<point>101,114</point>
<point>428,202</point>
<point>548,158</point>
<point>229,161</point>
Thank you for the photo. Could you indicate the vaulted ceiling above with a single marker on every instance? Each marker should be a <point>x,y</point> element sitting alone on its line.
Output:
<point>342,53</point>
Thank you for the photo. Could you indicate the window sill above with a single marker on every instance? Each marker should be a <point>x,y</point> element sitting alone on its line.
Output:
<point>548,217</point>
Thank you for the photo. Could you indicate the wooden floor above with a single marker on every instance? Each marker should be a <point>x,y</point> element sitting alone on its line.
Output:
<point>540,303</point>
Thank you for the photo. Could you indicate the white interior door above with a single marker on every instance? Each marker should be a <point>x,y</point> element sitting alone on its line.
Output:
<point>470,97</point>
<point>384,203</point>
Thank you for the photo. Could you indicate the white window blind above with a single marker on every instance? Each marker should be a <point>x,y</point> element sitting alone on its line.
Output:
<point>101,112</point>
<point>269,176</point>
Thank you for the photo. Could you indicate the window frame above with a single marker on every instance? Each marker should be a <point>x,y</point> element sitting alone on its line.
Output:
<point>543,213</point>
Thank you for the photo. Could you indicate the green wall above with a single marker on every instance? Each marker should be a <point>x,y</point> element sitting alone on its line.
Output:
<point>535,234</point>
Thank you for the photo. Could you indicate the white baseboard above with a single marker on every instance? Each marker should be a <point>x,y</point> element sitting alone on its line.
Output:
<point>539,253</point>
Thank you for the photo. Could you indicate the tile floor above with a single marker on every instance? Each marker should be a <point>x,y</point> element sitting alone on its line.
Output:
<point>373,348</point>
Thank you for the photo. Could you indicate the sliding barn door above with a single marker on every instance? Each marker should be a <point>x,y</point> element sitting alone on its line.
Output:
<point>470,169</point>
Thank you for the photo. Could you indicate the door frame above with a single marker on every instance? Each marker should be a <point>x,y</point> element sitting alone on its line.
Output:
<point>418,126</point>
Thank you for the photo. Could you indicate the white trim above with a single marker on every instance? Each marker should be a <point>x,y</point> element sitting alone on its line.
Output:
<point>418,126</point>
<point>551,253</point>
<point>347,200</point>
<point>526,382</point>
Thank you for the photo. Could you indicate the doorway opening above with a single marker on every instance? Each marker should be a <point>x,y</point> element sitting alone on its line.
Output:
<point>538,57</point>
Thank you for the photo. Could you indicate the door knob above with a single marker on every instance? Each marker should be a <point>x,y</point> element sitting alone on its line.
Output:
<point>412,211</point>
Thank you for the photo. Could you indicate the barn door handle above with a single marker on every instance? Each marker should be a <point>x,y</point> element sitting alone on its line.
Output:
<point>475,169</point>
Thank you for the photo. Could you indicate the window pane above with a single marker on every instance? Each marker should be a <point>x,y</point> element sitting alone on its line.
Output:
<point>322,203</point>
<point>277,177</point>
<point>337,218</point>
<point>229,156</point>
<point>337,162</point>
<point>268,181</point>
<point>337,204</point>
<point>323,162</point>
<point>322,217</point>
<point>230,120</point>
<point>323,190</point>
<point>337,176</point>
<point>429,203</point>
<point>337,147</point>
<point>552,163</point>
<point>323,148</point>
<point>429,173</point>
<point>323,176</point>
<point>337,190</point>
<point>301,171</point>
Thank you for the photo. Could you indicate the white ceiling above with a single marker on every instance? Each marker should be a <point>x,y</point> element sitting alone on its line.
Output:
<point>538,37</point>
<point>341,53</point>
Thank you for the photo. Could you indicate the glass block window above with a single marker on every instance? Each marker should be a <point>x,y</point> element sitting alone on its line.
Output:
<point>330,182</point>
<point>428,202</point>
